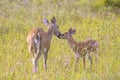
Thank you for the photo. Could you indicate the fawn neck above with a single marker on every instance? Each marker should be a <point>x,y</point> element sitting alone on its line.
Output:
<point>71,42</point>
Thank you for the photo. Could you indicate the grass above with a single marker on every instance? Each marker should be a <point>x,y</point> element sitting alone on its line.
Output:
<point>17,18</point>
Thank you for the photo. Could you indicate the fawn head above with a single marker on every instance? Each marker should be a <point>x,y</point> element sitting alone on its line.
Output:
<point>68,34</point>
<point>53,26</point>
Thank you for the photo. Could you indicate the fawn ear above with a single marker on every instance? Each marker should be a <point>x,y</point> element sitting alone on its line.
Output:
<point>70,30</point>
<point>45,21</point>
<point>53,20</point>
<point>73,31</point>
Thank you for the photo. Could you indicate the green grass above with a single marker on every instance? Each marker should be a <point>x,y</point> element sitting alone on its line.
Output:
<point>17,18</point>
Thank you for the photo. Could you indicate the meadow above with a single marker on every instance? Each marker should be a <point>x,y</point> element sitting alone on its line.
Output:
<point>99,19</point>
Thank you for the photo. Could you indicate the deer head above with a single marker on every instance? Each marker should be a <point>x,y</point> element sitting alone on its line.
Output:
<point>53,26</point>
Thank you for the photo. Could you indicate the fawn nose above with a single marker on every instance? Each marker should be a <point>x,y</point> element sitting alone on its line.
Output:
<point>61,36</point>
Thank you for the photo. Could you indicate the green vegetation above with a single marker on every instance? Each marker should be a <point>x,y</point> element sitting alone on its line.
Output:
<point>97,18</point>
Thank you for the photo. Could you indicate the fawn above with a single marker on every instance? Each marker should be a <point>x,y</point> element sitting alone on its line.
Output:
<point>81,49</point>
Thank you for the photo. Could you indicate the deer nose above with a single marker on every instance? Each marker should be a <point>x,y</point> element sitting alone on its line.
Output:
<point>59,35</point>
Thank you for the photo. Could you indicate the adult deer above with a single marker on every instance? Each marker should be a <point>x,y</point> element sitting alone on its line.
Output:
<point>39,41</point>
<point>81,49</point>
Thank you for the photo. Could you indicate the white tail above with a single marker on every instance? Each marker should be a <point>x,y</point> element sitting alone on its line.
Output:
<point>39,42</point>
<point>81,49</point>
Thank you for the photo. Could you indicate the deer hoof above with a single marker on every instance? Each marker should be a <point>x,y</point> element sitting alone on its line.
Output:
<point>45,66</point>
<point>35,70</point>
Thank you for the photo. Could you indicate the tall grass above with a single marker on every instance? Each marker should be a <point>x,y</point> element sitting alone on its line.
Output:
<point>88,17</point>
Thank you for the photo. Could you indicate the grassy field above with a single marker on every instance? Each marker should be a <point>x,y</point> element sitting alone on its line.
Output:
<point>97,18</point>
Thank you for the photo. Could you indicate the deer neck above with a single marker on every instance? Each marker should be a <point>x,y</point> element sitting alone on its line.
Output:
<point>50,33</point>
<point>71,42</point>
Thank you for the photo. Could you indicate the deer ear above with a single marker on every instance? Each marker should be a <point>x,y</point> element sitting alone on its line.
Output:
<point>53,20</point>
<point>45,21</point>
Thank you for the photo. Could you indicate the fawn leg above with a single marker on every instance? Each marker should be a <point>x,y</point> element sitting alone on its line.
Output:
<point>84,61</point>
<point>96,55</point>
<point>90,59</point>
<point>77,59</point>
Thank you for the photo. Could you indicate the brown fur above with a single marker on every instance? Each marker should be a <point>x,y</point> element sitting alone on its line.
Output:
<point>39,41</point>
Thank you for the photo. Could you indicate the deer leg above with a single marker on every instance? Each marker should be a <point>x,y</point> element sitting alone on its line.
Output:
<point>35,62</point>
<point>30,49</point>
<point>45,57</point>
<point>45,60</point>
<point>32,55</point>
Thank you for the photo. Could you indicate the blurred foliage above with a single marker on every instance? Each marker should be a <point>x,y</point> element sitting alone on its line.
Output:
<point>113,3</point>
